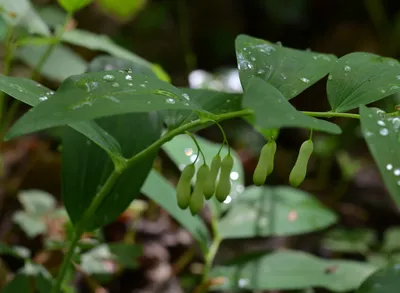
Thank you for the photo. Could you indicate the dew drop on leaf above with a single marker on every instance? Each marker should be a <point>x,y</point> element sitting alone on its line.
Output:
<point>305,80</point>
<point>384,131</point>
<point>109,77</point>
<point>170,101</point>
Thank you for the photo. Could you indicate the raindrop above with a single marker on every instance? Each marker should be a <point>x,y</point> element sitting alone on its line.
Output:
<point>142,85</point>
<point>130,84</point>
<point>128,77</point>
<point>396,123</point>
<point>188,151</point>
<point>186,96</point>
<point>284,77</point>
<point>396,172</point>
<point>148,102</point>
<point>51,93</point>
<point>330,77</point>
<point>234,175</point>
<point>384,131</point>
<point>109,77</point>
<point>115,84</point>
<point>389,167</point>
<point>394,87</point>
<point>260,71</point>
<point>253,58</point>
<point>228,101</point>
<point>347,68</point>
<point>193,158</point>
<point>170,101</point>
<point>305,80</point>
<point>383,91</point>
<point>42,98</point>
<point>398,77</point>
<point>381,123</point>
<point>227,200</point>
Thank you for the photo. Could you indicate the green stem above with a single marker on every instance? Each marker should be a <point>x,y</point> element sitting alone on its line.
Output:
<point>199,151</point>
<point>112,179</point>
<point>212,250</point>
<point>331,114</point>
<point>50,48</point>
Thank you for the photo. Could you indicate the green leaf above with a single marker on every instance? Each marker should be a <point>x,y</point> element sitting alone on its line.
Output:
<point>293,212</point>
<point>20,283</point>
<point>61,64</point>
<point>362,78</point>
<point>105,44</point>
<point>124,9</point>
<point>349,241</point>
<point>15,251</point>
<point>74,5</point>
<point>290,71</point>
<point>98,94</point>
<point>291,270</point>
<point>386,280</point>
<point>391,241</point>
<point>32,93</point>
<point>382,135</point>
<point>97,260</point>
<point>21,13</point>
<point>183,151</point>
<point>162,192</point>
<point>272,110</point>
<point>86,167</point>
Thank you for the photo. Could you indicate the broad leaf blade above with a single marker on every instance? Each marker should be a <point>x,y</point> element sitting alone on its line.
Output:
<point>162,192</point>
<point>272,110</point>
<point>99,94</point>
<point>20,283</point>
<point>183,151</point>
<point>362,78</point>
<point>291,270</point>
<point>105,44</point>
<point>382,135</point>
<point>86,167</point>
<point>290,71</point>
<point>74,5</point>
<point>123,9</point>
<point>386,280</point>
<point>294,212</point>
<point>32,93</point>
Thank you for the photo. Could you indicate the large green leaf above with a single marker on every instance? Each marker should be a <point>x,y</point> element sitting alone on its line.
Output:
<point>86,167</point>
<point>291,270</point>
<point>98,94</point>
<point>290,71</point>
<point>105,44</point>
<point>272,110</point>
<point>162,192</point>
<point>361,78</point>
<point>61,64</point>
<point>266,211</point>
<point>383,138</point>
<point>74,5</point>
<point>22,13</point>
<point>32,93</point>
<point>349,241</point>
<point>391,240</point>
<point>124,9</point>
<point>386,280</point>
<point>183,151</point>
<point>20,283</point>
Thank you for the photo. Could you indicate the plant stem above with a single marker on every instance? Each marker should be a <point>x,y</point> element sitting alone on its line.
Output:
<point>50,48</point>
<point>331,114</point>
<point>112,179</point>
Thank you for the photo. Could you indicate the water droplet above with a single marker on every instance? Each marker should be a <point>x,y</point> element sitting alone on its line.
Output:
<point>115,84</point>
<point>114,99</point>
<point>382,91</point>
<point>305,80</point>
<point>42,98</point>
<point>284,77</point>
<point>260,71</point>
<point>239,188</point>
<point>50,93</point>
<point>253,58</point>
<point>381,123</point>
<point>186,96</point>
<point>398,183</point>
<point>396,172</point>
<point>130,84</point>
<point>384,131</point>
<point>228,101</point>
<point>330,77</point>
<point>234,175</point>
<point>398,77</point>
<point>148,102</point>
<point>396,123</point>
<point>170,101</point>
<point>109,77</point>
<point>188,151</point>
<point>228,199</point>
<point>389,167</point>
<point>394,87</point>
<point>243,283</point>
<point>315,57</point>
<point>392,63</point>
<point>142,85</point>
<point>128,77</point>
